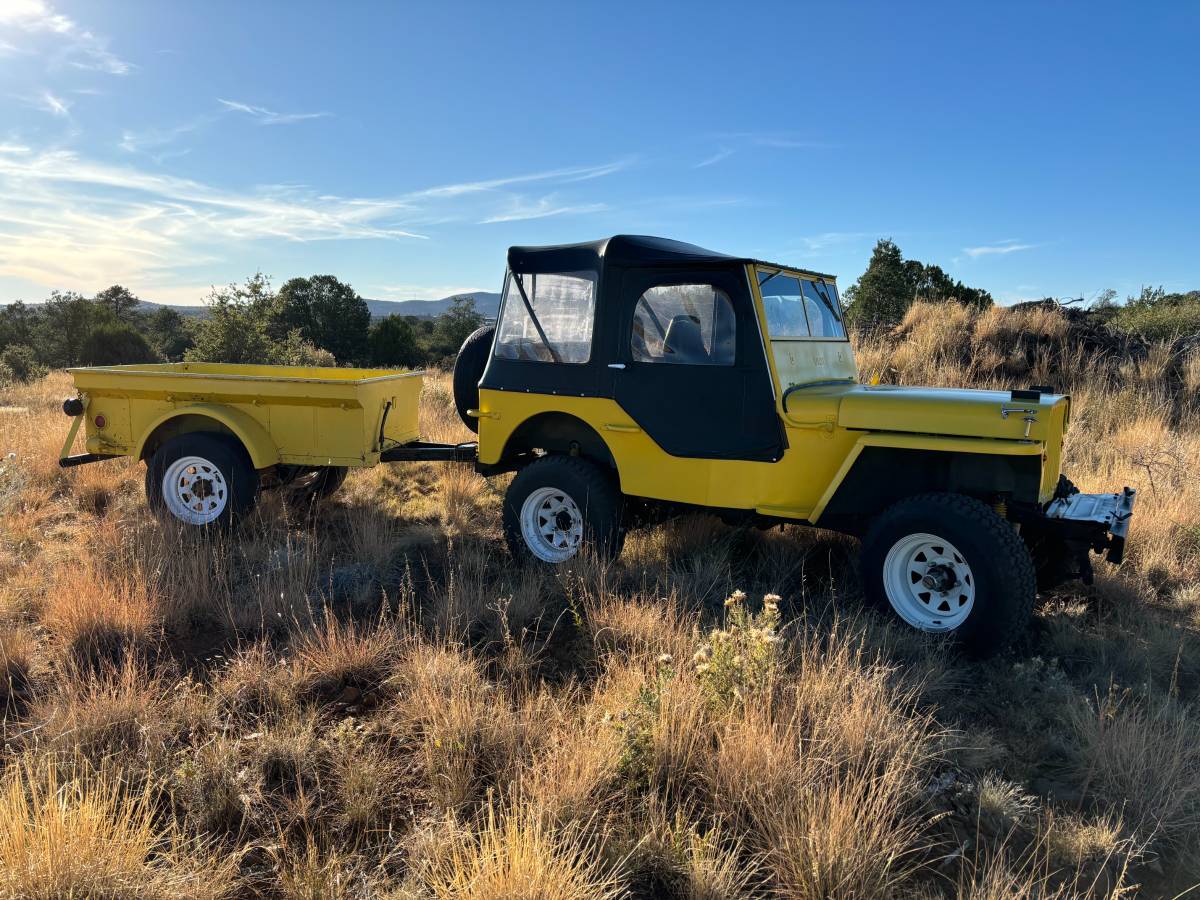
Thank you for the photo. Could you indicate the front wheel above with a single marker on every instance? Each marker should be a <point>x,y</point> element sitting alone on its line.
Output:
<point>948,564</point>
<point>201,478</point>
<point>558,504</point>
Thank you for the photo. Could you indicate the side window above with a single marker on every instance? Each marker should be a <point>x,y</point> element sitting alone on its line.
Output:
<point>687,324</point>
<point>824,311</point>
<point>783,303</point>
<point>563,307</point>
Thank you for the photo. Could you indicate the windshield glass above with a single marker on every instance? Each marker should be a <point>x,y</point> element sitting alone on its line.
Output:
<point>783,302</point>
<point>824,312</point>
<point>799,307</point>
<point>560,327</point>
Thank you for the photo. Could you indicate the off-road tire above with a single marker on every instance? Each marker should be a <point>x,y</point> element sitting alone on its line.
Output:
<point>468,369</point>
<point>1003,571</point>
<point>226,453</point>
<point>594,490</point>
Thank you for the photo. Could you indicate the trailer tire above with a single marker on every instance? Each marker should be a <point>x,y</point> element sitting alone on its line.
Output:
<point>558,504</point>
<point>977,585</point>
<point>201,479</point>
<point>468,369</point>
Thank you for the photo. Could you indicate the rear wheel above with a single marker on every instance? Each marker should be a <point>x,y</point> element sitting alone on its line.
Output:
<point>948,564</point>
<point>557,505</point>
<point>201,479</point>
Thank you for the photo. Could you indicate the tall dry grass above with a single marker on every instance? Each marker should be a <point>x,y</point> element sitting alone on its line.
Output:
<point>82,834</point>
<point>374,701</point>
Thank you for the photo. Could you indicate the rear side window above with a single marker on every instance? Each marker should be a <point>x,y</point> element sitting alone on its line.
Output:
<point>684,324</point>
<point>563,306</point>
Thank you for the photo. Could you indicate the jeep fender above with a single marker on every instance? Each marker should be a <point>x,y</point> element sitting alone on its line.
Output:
<point>882,468</point>
<point>258,443</point>
<point>559,432</point>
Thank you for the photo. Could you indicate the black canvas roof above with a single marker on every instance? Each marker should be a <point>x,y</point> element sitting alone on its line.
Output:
<point>625,250</point>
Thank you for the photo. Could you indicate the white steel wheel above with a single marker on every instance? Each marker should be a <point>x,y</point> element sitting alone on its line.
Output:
<point>928,582</point>
<point>551,525</point>
<point>195,490</point>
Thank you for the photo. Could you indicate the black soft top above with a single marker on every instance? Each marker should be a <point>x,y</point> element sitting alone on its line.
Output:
<point>627,251</point>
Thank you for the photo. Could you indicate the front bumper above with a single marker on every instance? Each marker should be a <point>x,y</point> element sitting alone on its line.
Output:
<point>1102,520</point>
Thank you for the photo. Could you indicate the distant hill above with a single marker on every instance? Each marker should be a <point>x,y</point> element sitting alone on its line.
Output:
<point>486,304</point>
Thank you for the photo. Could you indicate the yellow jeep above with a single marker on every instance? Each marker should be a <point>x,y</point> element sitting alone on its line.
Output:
<point>634,378</point>
<point>637,376</point>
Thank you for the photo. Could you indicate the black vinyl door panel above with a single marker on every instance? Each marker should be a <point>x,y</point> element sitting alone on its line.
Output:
<point>699,410</point>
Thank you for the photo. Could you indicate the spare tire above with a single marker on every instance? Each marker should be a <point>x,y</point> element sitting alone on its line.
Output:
<point>468,369</point>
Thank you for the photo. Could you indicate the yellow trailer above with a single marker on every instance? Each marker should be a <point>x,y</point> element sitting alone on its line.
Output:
<point>211,433</point>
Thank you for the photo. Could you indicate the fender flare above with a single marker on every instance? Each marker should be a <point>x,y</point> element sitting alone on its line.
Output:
<point>925,443</point>
<point>257,441</point>
<point>570,427</point>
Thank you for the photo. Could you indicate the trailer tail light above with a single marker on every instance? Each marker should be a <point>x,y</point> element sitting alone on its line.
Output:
<point>100,421</point>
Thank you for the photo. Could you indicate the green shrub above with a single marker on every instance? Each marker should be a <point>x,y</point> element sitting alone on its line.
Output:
<point>296,351</point>
<point>1160,321</point>
<point>18,363</point>
<point>115,344</point>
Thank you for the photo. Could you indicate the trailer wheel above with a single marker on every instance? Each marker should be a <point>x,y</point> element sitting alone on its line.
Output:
<point>468,369</point>
<point>948,564</point>
<point>200,478</point>
<point>558,504</point>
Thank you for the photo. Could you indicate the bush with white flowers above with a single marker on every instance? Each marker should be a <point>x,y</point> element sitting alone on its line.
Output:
<point>741,658</point>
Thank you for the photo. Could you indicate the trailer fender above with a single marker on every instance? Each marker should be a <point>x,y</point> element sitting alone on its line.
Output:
<point>258,443</point>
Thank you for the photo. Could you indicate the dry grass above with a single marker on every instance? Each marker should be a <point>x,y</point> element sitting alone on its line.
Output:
<point>375,702</point>
<point>85,835</point>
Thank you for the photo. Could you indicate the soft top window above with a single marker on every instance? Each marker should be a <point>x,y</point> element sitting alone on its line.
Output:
<point>684,324</point>
<point>560,328</point>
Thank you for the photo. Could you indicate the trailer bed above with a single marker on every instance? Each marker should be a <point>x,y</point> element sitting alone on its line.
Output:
<point>290,415</point>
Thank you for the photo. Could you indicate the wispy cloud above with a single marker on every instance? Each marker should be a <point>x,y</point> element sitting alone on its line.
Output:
<point>723,153</point>
<point>542,208</point>
<point>153,139</point>
<point>149,139</point>
<point>69,221</point>
<point>814,243</point>
<point>54,105</point>
<point>565,176</point>
<point>777,140</point>
<point>266,116</point>
<point>730,142</point>
<point>80,48</point>
<point>998,248</point>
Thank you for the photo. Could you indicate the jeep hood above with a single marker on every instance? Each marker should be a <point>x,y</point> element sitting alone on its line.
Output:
<point>951,411</point>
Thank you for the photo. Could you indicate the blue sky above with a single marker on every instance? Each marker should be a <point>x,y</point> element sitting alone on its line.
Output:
<point>1040,149</point>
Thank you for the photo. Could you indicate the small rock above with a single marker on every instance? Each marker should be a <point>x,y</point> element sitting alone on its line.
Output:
<point>349,695</point>
<point>353,584</point>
